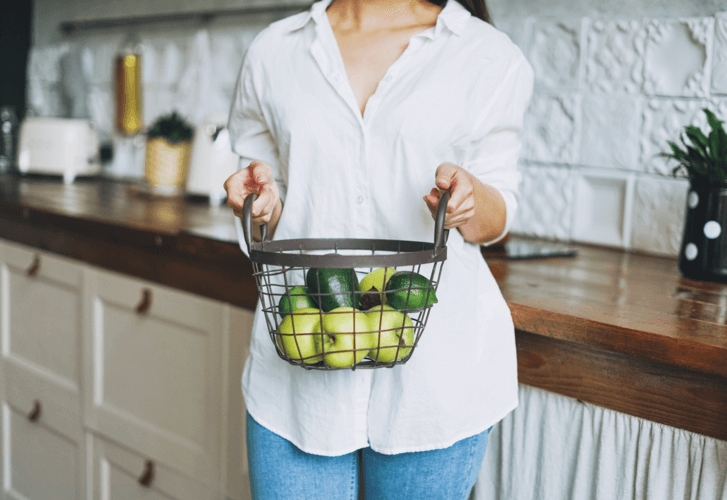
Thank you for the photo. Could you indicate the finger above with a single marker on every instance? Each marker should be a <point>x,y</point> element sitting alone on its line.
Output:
<point>444,175</point>
<point>259,206</point>
<point>460,192</point>
<point>235,187</point>
<point>270,207</point>
<point>432,199</point>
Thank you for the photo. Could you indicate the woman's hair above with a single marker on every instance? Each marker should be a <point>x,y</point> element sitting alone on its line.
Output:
<point>477,8</point>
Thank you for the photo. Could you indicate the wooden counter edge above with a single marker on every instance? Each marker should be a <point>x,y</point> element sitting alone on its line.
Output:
<point>194,264</point>
<point>643,388</point>
<point>675,352</point>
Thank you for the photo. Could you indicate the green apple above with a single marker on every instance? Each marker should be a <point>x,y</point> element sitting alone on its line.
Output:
<point>397,334</point>
<point>375,281</point>
<point>299,335</point>
<point>347,337</point>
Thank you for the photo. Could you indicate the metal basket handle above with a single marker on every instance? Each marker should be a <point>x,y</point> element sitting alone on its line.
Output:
<point>247,222</point>
<point>441,234</point>
<point>245,225</point>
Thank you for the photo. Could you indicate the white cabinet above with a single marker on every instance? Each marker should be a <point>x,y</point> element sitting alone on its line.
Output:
<point>154,371</point>
<point>120,474</point>
<point>41,311</point>
<point>238,341</point>
<point>104,376</point>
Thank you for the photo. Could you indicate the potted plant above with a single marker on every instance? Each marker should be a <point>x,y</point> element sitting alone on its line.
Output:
<point>168,146</point>
<point>703,158</point>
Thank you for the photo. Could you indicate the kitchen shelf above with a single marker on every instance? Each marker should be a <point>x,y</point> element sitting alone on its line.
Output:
<point>70,27</point>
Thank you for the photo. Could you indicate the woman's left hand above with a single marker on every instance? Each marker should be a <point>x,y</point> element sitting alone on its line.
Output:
<point>461,206</point>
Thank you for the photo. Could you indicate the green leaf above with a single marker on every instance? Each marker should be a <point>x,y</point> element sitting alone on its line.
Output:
<point>714,122</point>
<point>697,138</point>
<point>721,144</point>
<point>677,153</point>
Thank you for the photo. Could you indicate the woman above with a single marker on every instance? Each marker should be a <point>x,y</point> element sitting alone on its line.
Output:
<point>349,118</point>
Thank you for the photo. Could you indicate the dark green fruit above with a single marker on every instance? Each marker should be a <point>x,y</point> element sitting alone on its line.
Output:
<point>407,290</point>
<point>336,288</point>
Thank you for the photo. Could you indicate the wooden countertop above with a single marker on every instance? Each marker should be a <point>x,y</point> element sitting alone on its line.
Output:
<point>618,329</point>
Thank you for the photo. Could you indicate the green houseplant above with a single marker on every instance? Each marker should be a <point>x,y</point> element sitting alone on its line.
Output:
<point>703,158</point>
<point>168,147</point>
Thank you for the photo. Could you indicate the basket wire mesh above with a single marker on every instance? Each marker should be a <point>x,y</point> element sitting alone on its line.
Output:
<point>365,331</point>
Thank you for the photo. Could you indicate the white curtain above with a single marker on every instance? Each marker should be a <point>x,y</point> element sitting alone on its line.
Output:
<point>557,448</point>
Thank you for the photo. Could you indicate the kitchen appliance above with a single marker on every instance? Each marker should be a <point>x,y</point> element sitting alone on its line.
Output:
<point>58,146</point>
<point>8,133</point>
<point>212,159</point>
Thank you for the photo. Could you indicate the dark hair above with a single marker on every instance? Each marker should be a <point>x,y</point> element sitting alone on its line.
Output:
<point>477,8</point>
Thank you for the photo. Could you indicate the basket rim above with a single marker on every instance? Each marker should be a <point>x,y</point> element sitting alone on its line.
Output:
<point>408,253</point>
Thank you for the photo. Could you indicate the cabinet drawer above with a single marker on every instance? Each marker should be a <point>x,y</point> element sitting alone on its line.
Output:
<point>38,461</point>
<point>154,363</point>
<point>41,306</point>
<point>120,474</point>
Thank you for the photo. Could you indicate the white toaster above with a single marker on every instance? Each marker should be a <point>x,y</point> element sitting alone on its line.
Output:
<point>58,146</point>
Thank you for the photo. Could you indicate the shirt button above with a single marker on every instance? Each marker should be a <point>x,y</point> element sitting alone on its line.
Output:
<point>388,78</point>
<point>360,200</point>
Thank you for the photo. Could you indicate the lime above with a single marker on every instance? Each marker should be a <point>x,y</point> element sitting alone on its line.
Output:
<point>407,290</point>
<point>295,298</point>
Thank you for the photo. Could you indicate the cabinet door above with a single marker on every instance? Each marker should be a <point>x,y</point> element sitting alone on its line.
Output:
<point>41,310</point>
<point>120,474</point>
<point>154,367</point>
<point>238,333</point>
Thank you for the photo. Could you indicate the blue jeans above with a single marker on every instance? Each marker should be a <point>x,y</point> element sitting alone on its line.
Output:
<point>280,470</point>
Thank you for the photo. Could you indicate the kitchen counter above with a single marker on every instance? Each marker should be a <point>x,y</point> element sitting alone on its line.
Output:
<point>617,329</point>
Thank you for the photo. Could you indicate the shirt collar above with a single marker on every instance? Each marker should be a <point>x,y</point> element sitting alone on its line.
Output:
<point>453,16</point>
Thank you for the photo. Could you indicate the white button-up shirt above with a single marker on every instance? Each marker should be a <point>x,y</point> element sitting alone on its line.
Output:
<point>457,94</point>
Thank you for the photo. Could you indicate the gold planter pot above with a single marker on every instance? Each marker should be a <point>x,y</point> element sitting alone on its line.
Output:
<point>167,165</point>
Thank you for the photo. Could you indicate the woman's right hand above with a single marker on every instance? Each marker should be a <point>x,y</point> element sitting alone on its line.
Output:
<point>256,178</point>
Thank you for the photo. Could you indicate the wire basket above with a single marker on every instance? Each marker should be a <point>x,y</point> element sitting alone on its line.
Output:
<point>369,329</point>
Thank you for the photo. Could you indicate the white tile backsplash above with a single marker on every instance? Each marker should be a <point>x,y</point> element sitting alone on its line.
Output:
<point>615,56</point>
<point>602,207</point>
<point>610,131</point>
<point>552,128</point>
<point>658,215</point>
<point>678,57</point>
<point>546,200</point>
<point>719,62</point>
<point>555,53</point>
<point>663,121</point>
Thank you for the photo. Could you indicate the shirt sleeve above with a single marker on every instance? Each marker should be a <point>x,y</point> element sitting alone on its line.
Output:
<point>497,139</point>
<point>250,134</point>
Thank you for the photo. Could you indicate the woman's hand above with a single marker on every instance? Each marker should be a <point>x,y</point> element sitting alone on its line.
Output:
<point>461,206</point>
<point>478,211</point>
<point>256,178</point>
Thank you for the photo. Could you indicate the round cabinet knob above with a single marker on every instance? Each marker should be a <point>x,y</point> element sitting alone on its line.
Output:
<point>34,414</point>
<point>147,476</point>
